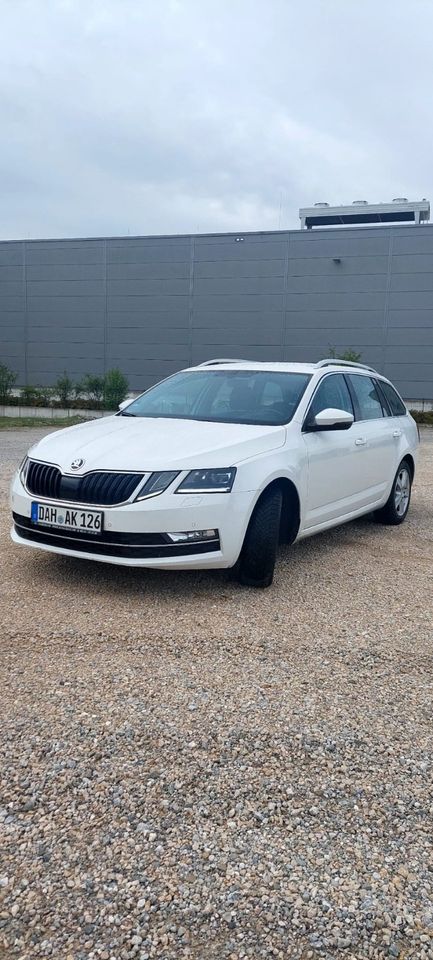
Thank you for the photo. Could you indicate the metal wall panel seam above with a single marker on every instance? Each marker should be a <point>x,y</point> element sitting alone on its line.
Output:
<point>386,304</point>
<point>105,332</point>
<point>284,304</point>
<point>191,300</point>
<point>26,317</point>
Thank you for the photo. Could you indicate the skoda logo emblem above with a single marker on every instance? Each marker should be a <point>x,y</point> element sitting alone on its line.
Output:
<point>76,464</point>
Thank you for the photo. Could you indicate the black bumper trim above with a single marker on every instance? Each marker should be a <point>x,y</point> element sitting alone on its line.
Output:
<point>135,546</point>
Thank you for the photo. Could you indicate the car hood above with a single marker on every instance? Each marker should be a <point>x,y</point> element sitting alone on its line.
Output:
<point>124,443</point>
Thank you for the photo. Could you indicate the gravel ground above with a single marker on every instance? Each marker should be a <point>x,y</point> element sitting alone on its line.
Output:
<point>194,770</point>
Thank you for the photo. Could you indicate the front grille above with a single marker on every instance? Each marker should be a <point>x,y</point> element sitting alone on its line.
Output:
<point>103,489</point>
<point>43,480</point>
<point>126,545</point>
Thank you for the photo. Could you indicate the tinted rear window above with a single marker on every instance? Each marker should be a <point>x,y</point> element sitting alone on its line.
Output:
<point>367,397</point>
<point>396,405</point>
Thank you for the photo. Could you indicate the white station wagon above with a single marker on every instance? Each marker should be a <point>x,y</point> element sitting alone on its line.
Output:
<point>218,464</point>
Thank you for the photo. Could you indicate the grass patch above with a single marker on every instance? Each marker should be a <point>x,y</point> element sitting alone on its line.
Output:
<point>11,423</point>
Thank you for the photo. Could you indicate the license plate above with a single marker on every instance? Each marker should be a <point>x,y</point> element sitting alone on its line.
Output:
<point>67,518</point>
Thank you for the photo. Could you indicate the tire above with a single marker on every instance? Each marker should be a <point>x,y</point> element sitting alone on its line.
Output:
<point>255,567</point>
<point>397,505</point>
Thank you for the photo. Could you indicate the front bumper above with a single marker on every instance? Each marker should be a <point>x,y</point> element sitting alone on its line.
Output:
<point>136,534</point>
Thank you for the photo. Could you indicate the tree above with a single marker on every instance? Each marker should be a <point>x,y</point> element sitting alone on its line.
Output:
<point>93,387</point>
<point>63,388</point>
<point>349,354</point>
<point>115,388</point>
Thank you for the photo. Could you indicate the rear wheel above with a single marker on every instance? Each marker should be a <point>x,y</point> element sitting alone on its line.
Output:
<point>397,505</point>
<point>255,567</point>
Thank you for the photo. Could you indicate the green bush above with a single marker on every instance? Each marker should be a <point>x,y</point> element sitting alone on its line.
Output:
<point>115,388</point>
<point>423,416</point>
<point>28,395</point>
<point>92,391</point>
<point>78,391</point>
<point>36,396</point>
<point>63,389</point>
<point>93,387</point>
<point>7,381</point>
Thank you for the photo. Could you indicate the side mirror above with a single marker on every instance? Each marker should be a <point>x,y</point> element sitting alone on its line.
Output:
<point>125,403</point>
<point>332,419</point>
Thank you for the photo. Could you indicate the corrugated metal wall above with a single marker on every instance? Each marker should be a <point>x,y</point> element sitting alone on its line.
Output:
<point>151,305</point>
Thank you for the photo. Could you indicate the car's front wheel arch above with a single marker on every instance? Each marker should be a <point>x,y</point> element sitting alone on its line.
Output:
<point>274,519</point>
<point>290,511</point>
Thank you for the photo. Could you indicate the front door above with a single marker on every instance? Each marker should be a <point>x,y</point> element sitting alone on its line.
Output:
<point>335,459</point>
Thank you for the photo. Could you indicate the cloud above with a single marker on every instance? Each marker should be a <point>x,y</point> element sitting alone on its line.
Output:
<point>150,117</point>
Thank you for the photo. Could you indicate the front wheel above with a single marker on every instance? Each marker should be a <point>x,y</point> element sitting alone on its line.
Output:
<point>397,505</point>
<point>255,567</point>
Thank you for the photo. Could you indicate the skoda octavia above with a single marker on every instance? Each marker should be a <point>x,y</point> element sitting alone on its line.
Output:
<point>218,464</point>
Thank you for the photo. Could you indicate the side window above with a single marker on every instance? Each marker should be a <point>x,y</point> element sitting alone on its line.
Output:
<point>367,396</point>
<point>332,392</point>
<point>396,405</point>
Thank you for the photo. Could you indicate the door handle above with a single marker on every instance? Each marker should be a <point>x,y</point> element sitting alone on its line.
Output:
<point>396,433</point>
<point>361,441</point>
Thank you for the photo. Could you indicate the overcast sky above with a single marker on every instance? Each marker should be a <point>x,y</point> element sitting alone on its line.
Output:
<point>177,116</point>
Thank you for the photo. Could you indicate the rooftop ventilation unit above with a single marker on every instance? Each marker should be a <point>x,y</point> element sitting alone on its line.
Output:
<point>400,210</point>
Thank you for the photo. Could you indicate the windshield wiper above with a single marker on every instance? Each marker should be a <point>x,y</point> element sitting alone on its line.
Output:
<point>125,414</point>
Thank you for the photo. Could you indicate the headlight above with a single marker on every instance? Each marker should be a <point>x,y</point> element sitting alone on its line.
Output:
<point>157,483</point>
<point>208,481</point>
<point>23,469</point>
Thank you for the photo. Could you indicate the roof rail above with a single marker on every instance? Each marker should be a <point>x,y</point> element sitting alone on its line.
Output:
<point>334,362</point>
<point>214,363</point>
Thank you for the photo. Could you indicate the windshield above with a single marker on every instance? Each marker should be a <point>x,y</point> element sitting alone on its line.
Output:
<point>224,396</point>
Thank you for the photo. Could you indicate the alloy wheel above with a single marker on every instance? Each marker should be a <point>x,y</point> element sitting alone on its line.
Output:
<point>402,492</point>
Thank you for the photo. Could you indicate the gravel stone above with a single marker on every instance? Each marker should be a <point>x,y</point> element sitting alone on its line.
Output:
<point>195,771</point>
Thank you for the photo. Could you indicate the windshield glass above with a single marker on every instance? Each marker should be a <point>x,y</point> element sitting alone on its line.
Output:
<point>224,396</point>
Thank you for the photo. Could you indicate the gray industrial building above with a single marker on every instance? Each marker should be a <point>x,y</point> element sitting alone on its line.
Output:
<point>151,305</point>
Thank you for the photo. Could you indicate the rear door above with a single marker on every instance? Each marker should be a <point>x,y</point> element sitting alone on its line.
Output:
<point>404,432</point>
<point>374,431</point>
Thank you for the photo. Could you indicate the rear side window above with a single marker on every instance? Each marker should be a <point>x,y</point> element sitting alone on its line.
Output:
<point>396,405</point>
<point>366,397</point>
<point>332,392</point>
